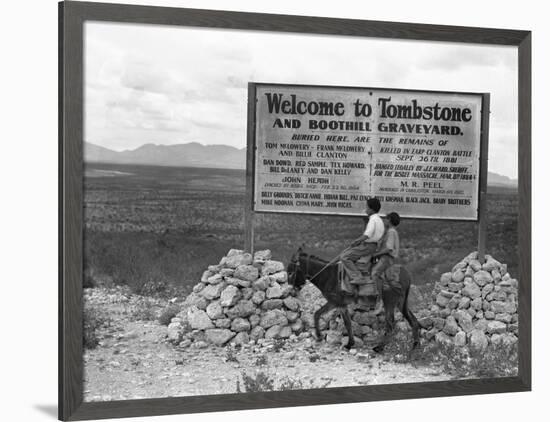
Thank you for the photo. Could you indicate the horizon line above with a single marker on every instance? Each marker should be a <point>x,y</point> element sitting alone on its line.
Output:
<point>203,145</point>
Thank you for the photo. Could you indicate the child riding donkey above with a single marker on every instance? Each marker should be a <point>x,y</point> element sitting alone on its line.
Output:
<point>393,282</point>
<point>379,240</point>
<point>366,244</point>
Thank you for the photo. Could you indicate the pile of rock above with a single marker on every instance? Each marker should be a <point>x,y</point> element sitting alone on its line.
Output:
<point>243,299</point>
<point>475,304</point>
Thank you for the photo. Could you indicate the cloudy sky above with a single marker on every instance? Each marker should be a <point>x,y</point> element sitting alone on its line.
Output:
<point>170,85</point>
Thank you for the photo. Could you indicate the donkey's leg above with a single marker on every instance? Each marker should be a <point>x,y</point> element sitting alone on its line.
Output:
<point>413,322</point>
<point>347,322</point>
<point>389,316</point>
<point>317,315</point>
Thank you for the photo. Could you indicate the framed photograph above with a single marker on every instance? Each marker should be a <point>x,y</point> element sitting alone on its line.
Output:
<point>262,210</point>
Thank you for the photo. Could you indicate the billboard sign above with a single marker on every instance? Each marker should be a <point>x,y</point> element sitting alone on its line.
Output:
<point>325,150</point>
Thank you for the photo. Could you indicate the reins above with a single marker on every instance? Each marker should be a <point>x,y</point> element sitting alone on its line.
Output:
<point>322,269</point>
<point>332,261</point>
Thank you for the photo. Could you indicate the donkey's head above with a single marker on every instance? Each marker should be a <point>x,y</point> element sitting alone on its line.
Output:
<point>296,274</point>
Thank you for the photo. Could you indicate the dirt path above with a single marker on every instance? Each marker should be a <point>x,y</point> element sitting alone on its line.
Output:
<point>134,361</point>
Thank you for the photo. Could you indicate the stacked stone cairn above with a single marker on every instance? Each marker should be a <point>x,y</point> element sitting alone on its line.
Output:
<point>240,301</point>
<point>475,305</point>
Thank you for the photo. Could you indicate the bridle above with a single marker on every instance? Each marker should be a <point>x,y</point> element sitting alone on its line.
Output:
<point>297,266</point>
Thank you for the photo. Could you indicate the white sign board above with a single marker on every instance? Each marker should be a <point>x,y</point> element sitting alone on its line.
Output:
<point>325,150</point>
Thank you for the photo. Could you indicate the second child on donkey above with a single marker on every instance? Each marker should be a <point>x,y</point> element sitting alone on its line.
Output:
<point>387,254</point>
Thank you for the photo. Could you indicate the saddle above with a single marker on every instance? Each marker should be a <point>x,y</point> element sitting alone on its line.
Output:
<point>366,288</point>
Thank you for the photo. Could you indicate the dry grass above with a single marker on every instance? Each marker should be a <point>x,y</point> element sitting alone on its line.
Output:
<point>144,311</point>
<point>261,381</point>
<point>168,313</point>
<point>460,362</point>
<point>166,225</point>
<point>93,320</point>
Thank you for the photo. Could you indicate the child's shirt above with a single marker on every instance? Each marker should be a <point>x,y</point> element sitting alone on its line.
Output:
<point>375,229</point>
<point>391,242</point>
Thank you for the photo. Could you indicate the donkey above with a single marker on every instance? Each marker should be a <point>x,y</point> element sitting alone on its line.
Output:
<point>324,276</point>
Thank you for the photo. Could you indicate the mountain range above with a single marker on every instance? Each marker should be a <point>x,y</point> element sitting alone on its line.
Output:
<point>191,154</point>
<point>194,154</point>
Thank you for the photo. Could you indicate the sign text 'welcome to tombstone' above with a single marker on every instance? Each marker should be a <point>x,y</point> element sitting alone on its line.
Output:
<point>325,150</point>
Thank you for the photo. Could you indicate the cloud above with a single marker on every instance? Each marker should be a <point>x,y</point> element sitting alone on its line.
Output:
<point>453,60</point>
<point>146,76</point>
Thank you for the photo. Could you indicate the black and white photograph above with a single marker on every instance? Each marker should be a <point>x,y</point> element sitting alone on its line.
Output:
<point>272,211</point>
<point>261,211</point>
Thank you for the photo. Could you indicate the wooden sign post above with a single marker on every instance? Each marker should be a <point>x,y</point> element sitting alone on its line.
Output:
<point>250,167</point>
<point>483,172</point>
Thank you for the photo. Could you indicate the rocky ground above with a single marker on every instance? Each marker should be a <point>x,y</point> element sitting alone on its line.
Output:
<point>132,359</point>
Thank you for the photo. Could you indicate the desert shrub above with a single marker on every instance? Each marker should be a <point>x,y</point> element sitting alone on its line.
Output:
<point>132,268</point>
<point>92,321</point>
<point>314,357</point>
<point>144,311</point>
<point>153,288</point>
<point>399,348</point>
<point>463,362</point>
<point>168,313</point>
<point>496,361</point>
<point>260,381</point>
<point>288,383</point>
<point>261,360</point>
<point>230,355</point>
<point>278,345</point>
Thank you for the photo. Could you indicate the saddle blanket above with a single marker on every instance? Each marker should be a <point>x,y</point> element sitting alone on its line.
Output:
<point>367,286</point>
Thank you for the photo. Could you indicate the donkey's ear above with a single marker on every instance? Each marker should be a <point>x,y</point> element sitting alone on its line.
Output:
<point>303,246</point>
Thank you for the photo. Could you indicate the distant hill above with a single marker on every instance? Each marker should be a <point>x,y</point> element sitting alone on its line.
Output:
<point>197,155</point>
<point>97,154</point>
<point>495,179</point>
<point>187,155</point>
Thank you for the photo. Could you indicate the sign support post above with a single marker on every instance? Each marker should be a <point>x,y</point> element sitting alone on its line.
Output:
<point>249,231</point>
<point>250,168</point>
<point>483,171</point>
